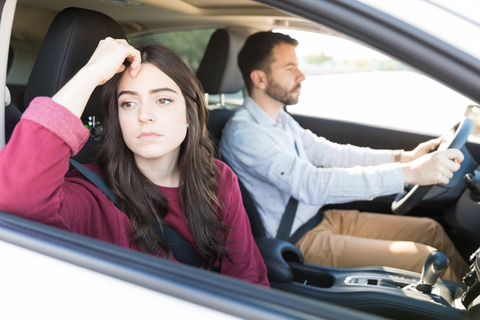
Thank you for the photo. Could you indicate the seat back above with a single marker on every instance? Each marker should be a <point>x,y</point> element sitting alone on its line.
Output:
<point>68,45</point>
<point>256,223</point>
<point>217,118</point>
<point>219,74</point>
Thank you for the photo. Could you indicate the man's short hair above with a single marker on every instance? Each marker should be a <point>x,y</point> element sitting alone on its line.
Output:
<point>256,53</point>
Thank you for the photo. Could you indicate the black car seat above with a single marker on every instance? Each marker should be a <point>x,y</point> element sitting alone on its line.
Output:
<point>219,74</point>
<point>12,115</point>
<point>218,71</point>
<point>70,41</point>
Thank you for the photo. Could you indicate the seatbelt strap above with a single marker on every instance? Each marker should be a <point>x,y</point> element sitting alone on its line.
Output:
<point>285,227</point>
<point>307,226</point>
<point>181,249</point>
<point>94,178</point>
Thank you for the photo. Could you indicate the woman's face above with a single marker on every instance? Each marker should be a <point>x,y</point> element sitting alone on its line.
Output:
<point>152,114</point>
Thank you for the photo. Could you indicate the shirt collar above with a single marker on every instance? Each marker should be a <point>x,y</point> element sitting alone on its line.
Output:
<point>261,116</point>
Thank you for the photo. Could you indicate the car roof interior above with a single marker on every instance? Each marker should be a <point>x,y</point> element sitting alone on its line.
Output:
<point>154,14</point>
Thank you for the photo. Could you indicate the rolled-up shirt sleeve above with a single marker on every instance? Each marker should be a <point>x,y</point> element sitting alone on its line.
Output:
<point>321,152</point>
<point>279,159</point>
<point>255,151</point>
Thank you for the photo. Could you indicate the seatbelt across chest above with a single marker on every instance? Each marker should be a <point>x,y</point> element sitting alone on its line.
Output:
<point>181,249</point>
<point>286,223</point>
<point>288,217</point>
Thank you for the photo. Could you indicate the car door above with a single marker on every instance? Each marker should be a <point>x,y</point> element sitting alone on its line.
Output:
<point>6,17</point>
<point>423,90</point>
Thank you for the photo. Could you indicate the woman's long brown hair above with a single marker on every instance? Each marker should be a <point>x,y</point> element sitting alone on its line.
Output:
<point>140,198</point>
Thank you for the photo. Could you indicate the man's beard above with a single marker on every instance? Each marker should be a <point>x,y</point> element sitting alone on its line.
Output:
<point>283,95</point>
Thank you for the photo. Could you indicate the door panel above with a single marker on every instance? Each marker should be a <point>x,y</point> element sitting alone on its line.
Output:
<point>370,136</point>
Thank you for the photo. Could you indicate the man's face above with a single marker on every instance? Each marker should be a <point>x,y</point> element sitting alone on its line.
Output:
<point>284,79</point>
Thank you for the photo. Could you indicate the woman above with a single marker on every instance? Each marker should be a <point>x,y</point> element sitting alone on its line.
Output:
<point>155,156</point>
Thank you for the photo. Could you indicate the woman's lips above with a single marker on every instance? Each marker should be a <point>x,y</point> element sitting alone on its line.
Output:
<point>148,135</point>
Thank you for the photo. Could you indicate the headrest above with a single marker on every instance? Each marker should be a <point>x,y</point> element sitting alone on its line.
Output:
<point>218,71</point>
<point>68,45</point>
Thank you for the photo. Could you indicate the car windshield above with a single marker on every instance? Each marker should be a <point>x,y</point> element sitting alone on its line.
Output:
<point>454,22</point>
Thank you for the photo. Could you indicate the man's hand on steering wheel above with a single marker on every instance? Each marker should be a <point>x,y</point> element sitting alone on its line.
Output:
<point>422,149</point>
<point>432,168</point>
<point>436,176</point>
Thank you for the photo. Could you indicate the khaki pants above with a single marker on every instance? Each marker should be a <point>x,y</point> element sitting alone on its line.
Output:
<point>348,238</point>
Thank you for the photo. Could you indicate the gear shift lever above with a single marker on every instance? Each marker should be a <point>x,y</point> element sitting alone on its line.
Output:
<point>436,263</point>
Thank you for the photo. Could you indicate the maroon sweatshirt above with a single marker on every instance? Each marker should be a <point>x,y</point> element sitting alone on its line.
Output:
<point>34,184</point>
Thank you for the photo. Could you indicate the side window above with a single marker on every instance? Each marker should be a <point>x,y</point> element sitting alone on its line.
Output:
<point>350,82</point>
<point>188,44</point>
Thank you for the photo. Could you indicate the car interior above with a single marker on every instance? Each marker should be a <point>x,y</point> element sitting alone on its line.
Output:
<point>67,46</point>
<point>287,270</point>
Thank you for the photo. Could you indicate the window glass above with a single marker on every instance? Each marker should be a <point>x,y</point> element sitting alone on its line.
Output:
<point>188,44</point>
<point>348,81</point>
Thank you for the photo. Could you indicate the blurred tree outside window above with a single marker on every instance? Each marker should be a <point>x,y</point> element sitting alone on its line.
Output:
<point>189,44</point>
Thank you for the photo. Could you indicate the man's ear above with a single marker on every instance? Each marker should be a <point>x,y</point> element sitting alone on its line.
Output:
<point>259,79</point>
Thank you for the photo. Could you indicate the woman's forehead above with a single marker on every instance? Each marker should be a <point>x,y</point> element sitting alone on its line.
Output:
<point>148,78</point>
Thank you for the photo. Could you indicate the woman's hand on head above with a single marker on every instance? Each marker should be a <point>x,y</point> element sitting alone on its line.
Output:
<point>108,59</point>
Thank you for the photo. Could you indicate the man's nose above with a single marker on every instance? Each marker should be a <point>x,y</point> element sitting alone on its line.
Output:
<point>300,76</point>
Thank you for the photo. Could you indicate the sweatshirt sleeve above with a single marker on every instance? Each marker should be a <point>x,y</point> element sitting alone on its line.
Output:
<point>34,162</point>
<point>245,261</point>
<point>60,121</point>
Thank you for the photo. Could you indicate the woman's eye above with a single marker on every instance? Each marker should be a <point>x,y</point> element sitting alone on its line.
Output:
<point>164,101</point>
<point>126,104</point>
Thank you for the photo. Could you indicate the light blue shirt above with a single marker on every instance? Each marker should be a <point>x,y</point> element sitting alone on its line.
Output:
<point>279,159</point>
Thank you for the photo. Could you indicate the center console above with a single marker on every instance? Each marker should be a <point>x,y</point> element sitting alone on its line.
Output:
<point>387,292</point>
<point>471,296</point>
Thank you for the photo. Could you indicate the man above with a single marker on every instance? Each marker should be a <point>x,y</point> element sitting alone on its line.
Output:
<point>277,159</point>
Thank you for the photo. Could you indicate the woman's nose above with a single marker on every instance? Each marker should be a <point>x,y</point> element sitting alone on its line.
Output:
<point>145,114</point>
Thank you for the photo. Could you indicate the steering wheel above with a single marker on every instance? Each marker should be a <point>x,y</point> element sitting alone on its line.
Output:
<point>455,138</point>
